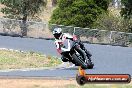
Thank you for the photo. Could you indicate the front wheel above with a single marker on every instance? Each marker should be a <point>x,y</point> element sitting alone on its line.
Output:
<point>90,65</point>
<point>86,60</point>
<point>79,61</point>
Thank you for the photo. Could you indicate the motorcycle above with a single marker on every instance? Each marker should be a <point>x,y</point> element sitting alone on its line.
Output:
<point>78,55</point>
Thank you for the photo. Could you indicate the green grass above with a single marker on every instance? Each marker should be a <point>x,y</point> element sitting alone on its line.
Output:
<point>16,60</point>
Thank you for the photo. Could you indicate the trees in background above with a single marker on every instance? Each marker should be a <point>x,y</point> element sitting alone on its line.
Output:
<point>22,9</point>
<point>93,14</point>
<point>82,13</point>
<point>108,21</point>
<point>113,22</point>
<point>54,2</point>
<point>126,10</point>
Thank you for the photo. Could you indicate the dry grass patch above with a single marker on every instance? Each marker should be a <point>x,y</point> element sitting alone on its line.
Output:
<point>58,83</point>
<point>16,60</point>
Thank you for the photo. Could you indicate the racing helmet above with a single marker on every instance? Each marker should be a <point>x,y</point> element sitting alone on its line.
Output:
<point>57,32</point>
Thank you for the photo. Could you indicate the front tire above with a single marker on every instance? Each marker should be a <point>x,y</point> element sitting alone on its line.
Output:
<point>79,61</point>
<point>91,66</point>
<point>85,60</point>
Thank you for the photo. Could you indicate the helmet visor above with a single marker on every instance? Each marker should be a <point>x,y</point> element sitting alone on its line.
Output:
<point>57,35</point>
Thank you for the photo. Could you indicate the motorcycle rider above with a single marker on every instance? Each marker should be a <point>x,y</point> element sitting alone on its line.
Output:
<point>59,39</point>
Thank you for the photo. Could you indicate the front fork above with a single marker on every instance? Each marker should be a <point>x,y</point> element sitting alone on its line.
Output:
<point>86,51</point>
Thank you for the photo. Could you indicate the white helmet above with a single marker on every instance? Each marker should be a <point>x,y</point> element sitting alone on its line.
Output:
<point>57,32</point>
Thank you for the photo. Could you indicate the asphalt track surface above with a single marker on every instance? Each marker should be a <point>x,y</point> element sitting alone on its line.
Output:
<point>107,59</point>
